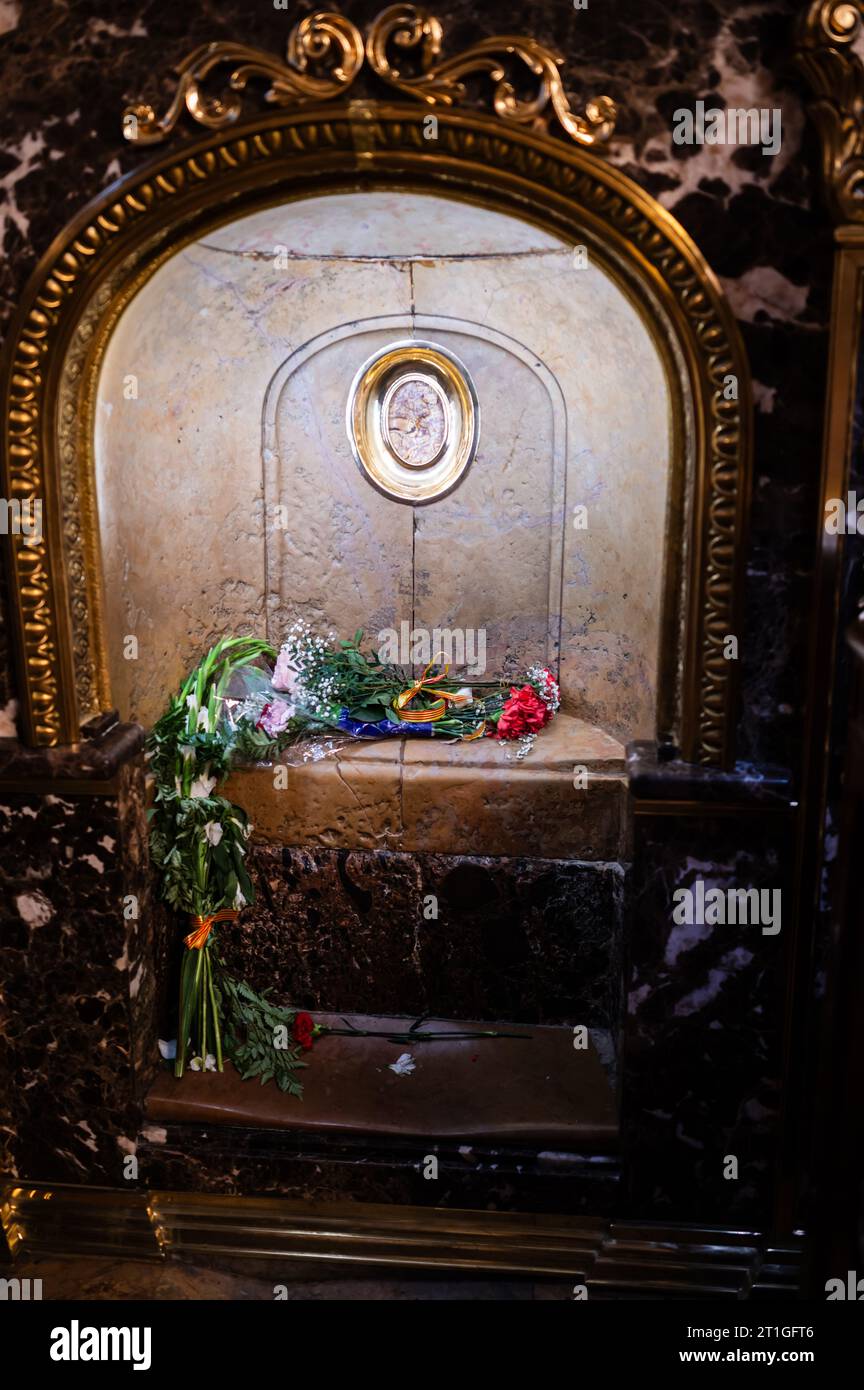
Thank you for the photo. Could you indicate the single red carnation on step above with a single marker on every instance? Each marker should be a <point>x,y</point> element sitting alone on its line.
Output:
<point>303,1031</point>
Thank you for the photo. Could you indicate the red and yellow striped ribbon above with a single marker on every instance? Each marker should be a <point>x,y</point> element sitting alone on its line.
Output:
<point>426,682</point>
<point>478,733</point>
<point>197,939</point>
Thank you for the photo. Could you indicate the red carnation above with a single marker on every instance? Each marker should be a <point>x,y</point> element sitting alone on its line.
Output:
<point>303,1031</point>
<point>524,713</point>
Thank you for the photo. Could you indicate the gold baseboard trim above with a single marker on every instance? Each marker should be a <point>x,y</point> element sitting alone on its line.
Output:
<point>606,1255</point>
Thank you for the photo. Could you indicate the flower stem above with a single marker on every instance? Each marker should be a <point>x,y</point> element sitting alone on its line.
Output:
<point>215,1011</point>
<point>203,991</point>
<point>417,1037</point>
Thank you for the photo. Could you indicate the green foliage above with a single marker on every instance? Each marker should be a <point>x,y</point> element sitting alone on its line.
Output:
<point>252,1025</point>
<point>199,876</point>
<point>252,745</point>
<point>198,838</point>
<point>347,676</point>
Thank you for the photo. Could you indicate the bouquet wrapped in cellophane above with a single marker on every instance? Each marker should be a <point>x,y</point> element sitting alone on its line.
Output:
<point>324,692</point>
<point>198,842</point>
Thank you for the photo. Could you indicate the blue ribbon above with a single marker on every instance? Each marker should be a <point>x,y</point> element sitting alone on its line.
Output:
<point>384,728</point>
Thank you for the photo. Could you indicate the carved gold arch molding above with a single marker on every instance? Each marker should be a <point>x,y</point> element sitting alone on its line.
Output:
<point>99,261</point>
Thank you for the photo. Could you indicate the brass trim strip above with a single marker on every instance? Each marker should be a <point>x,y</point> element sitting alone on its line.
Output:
<point>604,1252</point>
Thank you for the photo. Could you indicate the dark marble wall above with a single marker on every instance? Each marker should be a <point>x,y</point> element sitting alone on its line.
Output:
<point>526,940</point>
<point>323,1168</point>
<point>78,1043</point>
<point>67,69</point>
<point>702,1047</point>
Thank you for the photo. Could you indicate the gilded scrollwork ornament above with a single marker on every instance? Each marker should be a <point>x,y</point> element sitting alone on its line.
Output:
<point>829,56</point>
<point>410,27</point>
<point>320,41</point>
<point>326,52</point>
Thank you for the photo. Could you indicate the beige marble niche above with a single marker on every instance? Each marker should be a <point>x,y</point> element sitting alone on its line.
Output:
<point>229,499</point>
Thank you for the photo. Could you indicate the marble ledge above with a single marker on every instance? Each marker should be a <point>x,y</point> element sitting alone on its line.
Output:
<point>106,747</point>
<point>652,778</point>
<point>529,1086</point>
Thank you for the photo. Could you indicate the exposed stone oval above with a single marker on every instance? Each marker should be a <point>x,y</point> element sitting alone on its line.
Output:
<point>416,421</point>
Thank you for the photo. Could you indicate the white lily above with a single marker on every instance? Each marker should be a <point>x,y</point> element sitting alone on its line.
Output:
<point>202,786</point>
<point>212,832</point>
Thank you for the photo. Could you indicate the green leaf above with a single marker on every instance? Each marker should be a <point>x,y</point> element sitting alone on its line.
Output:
<point>368,714</point>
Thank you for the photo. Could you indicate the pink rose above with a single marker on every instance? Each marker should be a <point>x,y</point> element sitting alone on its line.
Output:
<point>275,718</point>
<point>284,676</point>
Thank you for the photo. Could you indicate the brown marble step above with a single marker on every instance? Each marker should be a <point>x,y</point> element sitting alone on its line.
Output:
<point>535,1090</point>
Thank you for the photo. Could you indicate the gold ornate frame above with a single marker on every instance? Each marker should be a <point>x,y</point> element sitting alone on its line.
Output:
<point>304,145</point>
